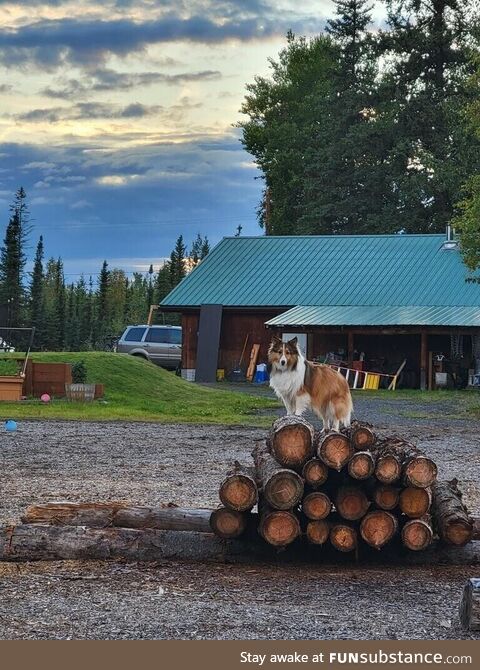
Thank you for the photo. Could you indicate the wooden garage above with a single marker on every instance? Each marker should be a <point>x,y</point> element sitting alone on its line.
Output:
<point>369,301</point>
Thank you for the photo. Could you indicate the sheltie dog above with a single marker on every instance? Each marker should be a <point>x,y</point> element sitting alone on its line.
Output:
<point>303,385</point>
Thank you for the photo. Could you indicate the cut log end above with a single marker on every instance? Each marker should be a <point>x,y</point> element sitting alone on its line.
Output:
<point>316,506</point>
<point>417,534</point>
<point>343,537</point>
<point>227,523</point>
<point>317,531</point>
<point>386,497</point>
<point>351,503</point>
<point>335,450</point>
<point>292,441</point>
<point>361,465</point>
<point>279,528</point>
<point>421,472</point>
<point>362,438</point>
<point>315,472</point>
<point>378,527</point>
<point>284,490</point>
<point>238,492</point>
<point>415,502</point>
<point>388,469</point>
<point>458,533</point>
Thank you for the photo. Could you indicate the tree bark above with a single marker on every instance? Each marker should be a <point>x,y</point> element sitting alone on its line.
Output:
<point>414,502</point>
<point>470,605</point>
<point>417,534</point>
<point>316,506</point>
<point>282,488</point>
<point>291,441</point>
<point>361,465</point>
<point>315,472</point>
<point>278,527</point>
<point>452,520</point>
<point>36,542</point>
<point>238,491</point>
<point>378,527</point>
<point>351,503</point>
<point>103,515</point>
<point>228,523</point>
<point>335,450</point>
<point>362,436</point>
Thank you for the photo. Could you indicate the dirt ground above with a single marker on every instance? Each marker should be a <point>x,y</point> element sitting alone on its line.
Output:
<point>153,464</point>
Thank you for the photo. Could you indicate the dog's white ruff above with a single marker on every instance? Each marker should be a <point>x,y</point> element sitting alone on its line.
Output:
<point>287,383</point>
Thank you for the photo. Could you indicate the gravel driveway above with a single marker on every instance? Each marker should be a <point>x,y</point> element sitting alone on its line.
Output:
<point>153,464</point>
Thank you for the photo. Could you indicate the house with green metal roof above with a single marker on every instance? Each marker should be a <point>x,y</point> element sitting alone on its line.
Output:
<point>372,300</point>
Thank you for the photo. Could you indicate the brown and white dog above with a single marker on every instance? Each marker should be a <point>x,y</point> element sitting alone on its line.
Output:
<point>303,385</point>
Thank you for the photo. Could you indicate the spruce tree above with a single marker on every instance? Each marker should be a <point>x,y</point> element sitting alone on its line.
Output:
<point>163,282</point>
<point>37,298</point>
<point>13,259</point>
<point>349,31</point>
<point>102,320</point>
<point>177,262</point>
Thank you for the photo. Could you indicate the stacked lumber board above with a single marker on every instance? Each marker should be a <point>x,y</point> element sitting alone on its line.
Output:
<point>345,489</point>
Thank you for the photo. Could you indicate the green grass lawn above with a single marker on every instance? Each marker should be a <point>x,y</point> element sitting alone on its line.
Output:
<point>136,390</point>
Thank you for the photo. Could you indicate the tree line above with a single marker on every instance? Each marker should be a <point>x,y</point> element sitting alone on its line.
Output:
<point>85,314</point>
<point>359,131</point>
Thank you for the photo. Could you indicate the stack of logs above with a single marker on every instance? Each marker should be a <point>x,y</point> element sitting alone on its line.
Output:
<point>346,488</point>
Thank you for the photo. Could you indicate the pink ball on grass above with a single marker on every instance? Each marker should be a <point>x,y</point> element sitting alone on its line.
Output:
<point>45,397</point>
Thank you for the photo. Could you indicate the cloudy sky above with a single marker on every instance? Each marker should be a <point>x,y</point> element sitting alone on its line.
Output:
<point>117,118</point>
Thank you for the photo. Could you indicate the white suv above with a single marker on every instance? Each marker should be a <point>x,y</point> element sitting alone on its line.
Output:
<point>159,344</point>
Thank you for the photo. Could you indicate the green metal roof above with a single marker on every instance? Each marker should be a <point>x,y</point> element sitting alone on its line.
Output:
<point>354,271</point>
<point>366,315</point>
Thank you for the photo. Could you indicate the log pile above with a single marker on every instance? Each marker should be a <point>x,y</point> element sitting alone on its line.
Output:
<point>347,489</point>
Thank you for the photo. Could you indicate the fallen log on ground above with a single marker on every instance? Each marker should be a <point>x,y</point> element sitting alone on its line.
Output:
<point>103,515</point>
<point>470,605</point>
<point>452,521</point>
<point>238,490</point>
<point>36,542</point>
<point>291,441</point>
<point>282,488</point>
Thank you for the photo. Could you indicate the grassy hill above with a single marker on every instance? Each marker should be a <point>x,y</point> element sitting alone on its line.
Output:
<point>136,390</point>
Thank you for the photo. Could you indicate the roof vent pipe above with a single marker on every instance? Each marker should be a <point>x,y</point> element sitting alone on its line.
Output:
<point>450,242</point>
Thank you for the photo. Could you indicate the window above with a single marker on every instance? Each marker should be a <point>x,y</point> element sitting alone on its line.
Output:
<point>175,336</point>
<point>159,335</point>
<point>134,334</point>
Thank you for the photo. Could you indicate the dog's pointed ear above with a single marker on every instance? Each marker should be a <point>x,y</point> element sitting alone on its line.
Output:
<point>293,342</point>
<point>276,339</point>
